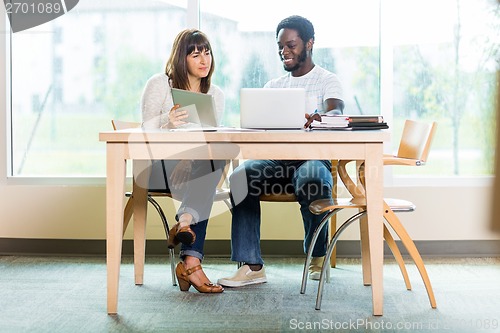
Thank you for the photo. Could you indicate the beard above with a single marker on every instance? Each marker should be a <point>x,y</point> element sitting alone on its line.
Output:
<point>301,60</point>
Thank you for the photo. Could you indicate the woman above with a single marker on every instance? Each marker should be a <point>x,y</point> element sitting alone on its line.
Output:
<point>193,182</point>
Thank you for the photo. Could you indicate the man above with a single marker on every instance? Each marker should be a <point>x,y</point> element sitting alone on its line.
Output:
<point>309,180</point>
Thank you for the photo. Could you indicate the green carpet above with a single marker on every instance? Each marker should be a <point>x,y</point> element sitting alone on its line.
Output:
<point>68,294</point>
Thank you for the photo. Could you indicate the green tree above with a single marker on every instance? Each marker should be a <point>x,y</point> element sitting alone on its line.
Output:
<point>222,78</point>
<point>447,89</point>
<point>254,75</point>
<point>366,80</point>
<point>123,95</point>
<point>325,58</point>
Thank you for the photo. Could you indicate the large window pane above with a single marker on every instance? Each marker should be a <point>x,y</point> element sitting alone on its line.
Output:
<point>445,57</point>
<point>71,76</point>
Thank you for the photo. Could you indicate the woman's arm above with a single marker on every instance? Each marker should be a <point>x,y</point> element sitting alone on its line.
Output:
<point>155,103</point>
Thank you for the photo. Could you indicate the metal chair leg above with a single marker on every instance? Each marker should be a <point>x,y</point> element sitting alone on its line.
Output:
<point>172,266</point>
<point>334,240</point>
<point>157,206</point>
<point>311,247</point>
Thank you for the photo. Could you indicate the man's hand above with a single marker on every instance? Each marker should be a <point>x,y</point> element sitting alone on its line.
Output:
<point>310,118</point>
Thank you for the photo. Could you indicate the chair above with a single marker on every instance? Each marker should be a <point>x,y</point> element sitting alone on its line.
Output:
<point>222,194</point>
<point>413,150</point>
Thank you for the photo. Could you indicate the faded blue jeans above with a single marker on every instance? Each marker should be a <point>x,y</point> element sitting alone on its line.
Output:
<point>196,194</point>
<point>308,180</point>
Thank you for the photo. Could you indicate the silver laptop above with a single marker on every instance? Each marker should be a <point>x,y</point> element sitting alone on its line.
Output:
<point>200,107</point>
<point>272,108</point>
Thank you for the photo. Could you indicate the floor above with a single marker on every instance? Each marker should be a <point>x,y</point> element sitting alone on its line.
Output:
<point>68,294</point>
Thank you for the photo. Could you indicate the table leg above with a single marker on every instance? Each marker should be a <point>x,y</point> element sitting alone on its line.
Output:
<point>140,192</point>
<point>364,237</point>
<point>115,187</point>
<point>374,203</point>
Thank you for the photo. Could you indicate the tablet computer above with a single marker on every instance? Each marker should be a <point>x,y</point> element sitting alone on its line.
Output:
<point>200,107</point>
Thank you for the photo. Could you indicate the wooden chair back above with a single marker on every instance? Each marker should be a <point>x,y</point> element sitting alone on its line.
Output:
<point>416,140</point>
<point>120,124</point>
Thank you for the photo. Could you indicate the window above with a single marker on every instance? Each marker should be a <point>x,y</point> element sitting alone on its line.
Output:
<point>445,56</point>
<point>247,56</point>
<point>423,60</point>
<point>71,76</point>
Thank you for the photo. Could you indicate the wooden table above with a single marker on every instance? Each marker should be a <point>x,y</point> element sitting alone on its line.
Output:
<point>143,146</point>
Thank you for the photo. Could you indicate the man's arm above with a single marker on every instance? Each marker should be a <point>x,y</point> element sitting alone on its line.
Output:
<point>334,106</point>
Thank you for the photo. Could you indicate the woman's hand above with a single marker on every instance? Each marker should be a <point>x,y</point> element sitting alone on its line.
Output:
<point>176,117</point>
<point>181,173</point>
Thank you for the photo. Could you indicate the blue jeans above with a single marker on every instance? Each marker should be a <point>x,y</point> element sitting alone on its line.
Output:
<point>196,195</point>
<point>308,180</point>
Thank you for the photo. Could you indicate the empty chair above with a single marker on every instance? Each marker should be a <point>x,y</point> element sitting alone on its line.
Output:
<point>413,150</point>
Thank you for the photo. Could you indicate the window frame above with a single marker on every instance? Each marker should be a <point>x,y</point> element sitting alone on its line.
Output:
<point>5,108</point>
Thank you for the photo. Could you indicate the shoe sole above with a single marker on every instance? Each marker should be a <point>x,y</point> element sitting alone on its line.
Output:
<point>185,238</point>
<point>235,284</point>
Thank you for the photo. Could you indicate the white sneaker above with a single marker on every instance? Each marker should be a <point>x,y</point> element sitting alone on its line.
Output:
<point>244,276</point>
<point>315,267</point>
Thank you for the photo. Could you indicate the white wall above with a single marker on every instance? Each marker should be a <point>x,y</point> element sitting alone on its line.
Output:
<point>78,212</point>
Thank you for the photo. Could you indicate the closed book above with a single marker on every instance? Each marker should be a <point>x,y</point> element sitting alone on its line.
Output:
<point>337,121</point>
<point>365,118</point>
<point>368,126</point>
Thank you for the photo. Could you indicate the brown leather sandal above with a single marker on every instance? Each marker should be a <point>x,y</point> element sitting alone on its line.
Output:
<point>182,235</point>
<point>185,282</point>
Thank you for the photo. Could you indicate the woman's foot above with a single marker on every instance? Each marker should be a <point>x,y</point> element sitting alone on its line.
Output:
<point>189,273</point>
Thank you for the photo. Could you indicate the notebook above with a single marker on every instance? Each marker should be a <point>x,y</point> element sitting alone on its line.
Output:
<point>201,107</point>
<point>272,108</point>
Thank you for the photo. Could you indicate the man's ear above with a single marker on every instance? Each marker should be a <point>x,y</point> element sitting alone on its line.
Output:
<point>310,44</point>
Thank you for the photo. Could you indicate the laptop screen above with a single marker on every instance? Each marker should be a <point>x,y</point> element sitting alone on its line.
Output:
<point>272,108</point>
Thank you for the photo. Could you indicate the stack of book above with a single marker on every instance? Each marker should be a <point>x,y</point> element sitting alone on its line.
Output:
<point>350,122</point>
